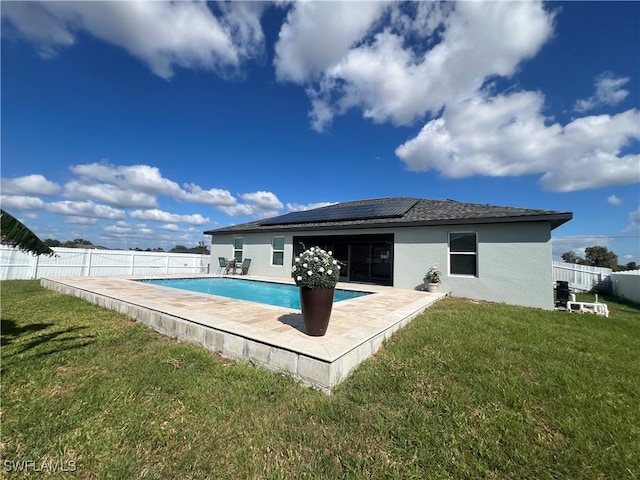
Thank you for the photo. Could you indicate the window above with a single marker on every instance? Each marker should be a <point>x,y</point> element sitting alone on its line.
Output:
<point>237,248</point>
<point>463,253</point>
<point>277,249</point>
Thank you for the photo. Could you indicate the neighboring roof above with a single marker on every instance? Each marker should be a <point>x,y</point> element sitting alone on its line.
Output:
<point>196,250</point>
<point>421,213</point>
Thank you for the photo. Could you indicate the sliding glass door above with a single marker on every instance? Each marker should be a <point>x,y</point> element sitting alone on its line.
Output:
<point>363,258</point>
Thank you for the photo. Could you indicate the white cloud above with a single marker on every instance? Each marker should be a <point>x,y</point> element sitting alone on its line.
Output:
<point>137,186</point>
<point>84,209</point>
<point>81,220</point>
<point>258,204</point>
<point>507,135</point>
<point>136,178</point>
<point>164,35</point>
<point>238,210</point>
<point>613,200</point>
<point>634,222</point>
<point>317,35</point>
<point>263,204</point>
<point>110,194</point>
<point>391,79</point>
<point>262,200</point>
<point>298,207</point>
<point>156,215</point>
<point>609,92</point>
<point>213,196</point>
<point>34,21</point>
<point>171,227</point>
<point>119,228</point>
<point>20,202</point>
<point>29,185</point>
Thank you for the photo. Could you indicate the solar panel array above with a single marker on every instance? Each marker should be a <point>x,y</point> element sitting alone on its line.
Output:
<point>388,209</point>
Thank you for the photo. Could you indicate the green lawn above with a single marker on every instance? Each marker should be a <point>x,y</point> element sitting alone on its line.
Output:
<point>467,390</point>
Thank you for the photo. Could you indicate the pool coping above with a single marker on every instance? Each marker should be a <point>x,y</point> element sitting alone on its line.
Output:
<point>266,335</point>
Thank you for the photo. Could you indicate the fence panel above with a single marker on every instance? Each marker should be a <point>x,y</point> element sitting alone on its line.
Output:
<point>627,285</point>
<point>15,264</point>
<point>582,277</point>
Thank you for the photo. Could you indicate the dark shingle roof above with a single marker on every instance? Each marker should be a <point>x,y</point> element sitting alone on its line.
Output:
<point>424,212</point>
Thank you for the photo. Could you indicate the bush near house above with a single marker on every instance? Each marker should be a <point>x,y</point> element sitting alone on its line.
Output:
<point>466,390</point>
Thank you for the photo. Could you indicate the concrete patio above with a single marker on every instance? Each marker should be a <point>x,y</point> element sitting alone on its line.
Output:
<point>266,335</point>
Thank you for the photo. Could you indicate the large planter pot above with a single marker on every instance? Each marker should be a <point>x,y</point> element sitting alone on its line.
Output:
<point>316,305</point>
<point>432,287</point>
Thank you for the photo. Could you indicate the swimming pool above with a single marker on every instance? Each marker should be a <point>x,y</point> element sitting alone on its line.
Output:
<point>271,293</point>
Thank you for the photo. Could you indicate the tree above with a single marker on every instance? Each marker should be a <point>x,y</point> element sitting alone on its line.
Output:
<point>571,257</point>
<point>178,248</point>
<point>52,243</point>
<point>82,241</point>
<point>76,243</point>
<point>601,257</point>
<point>15,233</point>
<point>631,266</point>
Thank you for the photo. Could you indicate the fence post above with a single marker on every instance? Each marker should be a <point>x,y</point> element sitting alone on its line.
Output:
<point>34,267</point>
<point>133,263</point>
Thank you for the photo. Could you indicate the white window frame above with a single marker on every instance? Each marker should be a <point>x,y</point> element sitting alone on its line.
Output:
<point>474,254</point>
<point>236,250</point>
<point>274,251</point>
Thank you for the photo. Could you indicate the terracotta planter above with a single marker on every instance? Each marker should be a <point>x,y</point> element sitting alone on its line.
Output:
<point>316,305</point>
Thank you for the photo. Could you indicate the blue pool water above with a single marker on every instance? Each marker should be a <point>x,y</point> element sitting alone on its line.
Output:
<point>271,293</point>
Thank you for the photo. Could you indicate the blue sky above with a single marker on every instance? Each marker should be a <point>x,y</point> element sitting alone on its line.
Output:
<point>143,124</point>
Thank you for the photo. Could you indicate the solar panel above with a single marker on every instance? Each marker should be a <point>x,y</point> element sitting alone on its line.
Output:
<point>388,209</point>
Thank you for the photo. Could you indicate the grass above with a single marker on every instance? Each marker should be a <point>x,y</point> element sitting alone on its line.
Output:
<point>467,390</point>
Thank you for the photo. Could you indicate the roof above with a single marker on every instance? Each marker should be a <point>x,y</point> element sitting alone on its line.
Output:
<point>397,212</point>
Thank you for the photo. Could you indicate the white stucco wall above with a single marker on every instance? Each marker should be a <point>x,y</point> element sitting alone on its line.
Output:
<point>514,260</point>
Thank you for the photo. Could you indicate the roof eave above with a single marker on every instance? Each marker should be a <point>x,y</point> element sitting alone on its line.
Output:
<point>555,219</point>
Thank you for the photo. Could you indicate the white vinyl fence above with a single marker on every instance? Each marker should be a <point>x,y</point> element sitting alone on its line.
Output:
<point>71,262</point>
<point>581,277</point>
<point>627,285</point>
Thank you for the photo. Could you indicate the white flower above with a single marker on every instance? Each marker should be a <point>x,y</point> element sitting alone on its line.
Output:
<point>315,268</point>
<point>330,252</point>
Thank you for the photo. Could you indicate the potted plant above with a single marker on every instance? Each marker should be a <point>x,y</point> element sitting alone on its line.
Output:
<point>432,279</point>
<point>316,272</point>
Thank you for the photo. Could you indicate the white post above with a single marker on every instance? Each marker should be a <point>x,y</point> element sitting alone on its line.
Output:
<point>167,264</point>
<point>34,267</point>
<point>90,262</point>
<point>133,263</point>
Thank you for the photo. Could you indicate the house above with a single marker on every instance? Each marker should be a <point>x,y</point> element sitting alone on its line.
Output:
<point>485,252</point>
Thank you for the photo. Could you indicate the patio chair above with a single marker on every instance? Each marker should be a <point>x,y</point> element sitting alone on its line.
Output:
<point>244,268</point>
<point>222,265</point>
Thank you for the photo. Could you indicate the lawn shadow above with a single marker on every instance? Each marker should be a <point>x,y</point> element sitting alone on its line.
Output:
<point>294,320</point>
<point>57,340</point>
<point>10,330</point>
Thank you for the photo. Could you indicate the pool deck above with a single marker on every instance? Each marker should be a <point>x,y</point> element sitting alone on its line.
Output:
<point>266,335</point>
